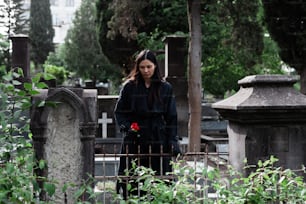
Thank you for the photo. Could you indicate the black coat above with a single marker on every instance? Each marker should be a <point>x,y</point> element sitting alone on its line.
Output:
<point>158,126</point>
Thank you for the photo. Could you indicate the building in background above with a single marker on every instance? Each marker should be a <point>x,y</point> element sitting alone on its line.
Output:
<point>62,16</point>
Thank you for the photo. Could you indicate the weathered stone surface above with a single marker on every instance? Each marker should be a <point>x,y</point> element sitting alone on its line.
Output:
<point>175,73</point>
<point>264,98</point>
<point>63,136</point>
<point>266,117</point>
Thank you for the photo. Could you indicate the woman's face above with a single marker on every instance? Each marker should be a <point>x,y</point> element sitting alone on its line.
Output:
<point>146,69</point>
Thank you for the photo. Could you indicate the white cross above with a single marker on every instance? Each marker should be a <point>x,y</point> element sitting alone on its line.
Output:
<point>104,121</point>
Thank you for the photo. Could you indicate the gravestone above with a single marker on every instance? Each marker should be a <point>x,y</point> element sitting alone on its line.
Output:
<point>108,139</point>
<point>63,136</point>
<point>213,130</point>
<point>107,125</point>
<point>175,73</point>
<point>266,117</point>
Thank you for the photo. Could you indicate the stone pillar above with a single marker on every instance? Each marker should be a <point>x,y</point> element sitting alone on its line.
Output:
<point>175,73</point>
<point>21,55</point>
<point>266,117</point>
<point>63,136</point>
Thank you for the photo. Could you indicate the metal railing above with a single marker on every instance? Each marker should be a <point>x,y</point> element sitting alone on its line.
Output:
<point>107,164</point>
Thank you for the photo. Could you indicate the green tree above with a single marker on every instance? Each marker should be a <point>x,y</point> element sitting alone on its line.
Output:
<point>286,24</point>
<point>13,21</point>
<point>233,41</point>
<point>83,54</point>
<point>4,46</point>
<point>41,31</point>
<point>21,21</point>
<point>119,41</point>
<point>234,45</point>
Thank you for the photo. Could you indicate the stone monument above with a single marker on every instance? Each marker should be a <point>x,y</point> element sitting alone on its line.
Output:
<point>266,117</point>
<point>63,136</point>
<point>175,73</point>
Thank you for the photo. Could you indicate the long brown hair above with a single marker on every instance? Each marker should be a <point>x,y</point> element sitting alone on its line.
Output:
<point>156,79</point>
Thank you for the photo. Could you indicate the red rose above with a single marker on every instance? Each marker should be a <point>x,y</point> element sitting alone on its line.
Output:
<point>135,127</point>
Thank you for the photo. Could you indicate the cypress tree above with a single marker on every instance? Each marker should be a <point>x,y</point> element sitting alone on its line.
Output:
<point>21,24</point>
<point>41,31</point>
<point>286,24</point>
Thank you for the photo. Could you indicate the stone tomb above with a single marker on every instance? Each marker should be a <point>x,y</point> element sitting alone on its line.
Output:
<point>63,136</point>
<point>266,117</point>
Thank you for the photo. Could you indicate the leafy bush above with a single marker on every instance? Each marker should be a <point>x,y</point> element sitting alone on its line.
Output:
<point>58,72</point>
<point>17,182</point>
<point>268,184</point>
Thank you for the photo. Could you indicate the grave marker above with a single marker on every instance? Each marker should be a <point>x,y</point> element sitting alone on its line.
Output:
<point>64,136</point>
<point>104,121</point>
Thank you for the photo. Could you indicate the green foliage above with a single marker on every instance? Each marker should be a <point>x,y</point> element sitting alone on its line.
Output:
<point>83,53</point>
<point>56,58</point>
<point>234,45</point>
<point>17,183</point>
<point>59,73</point>
<point>154,40</point>
<point>233,42</point>
<point>149,17</point>
<point>267,184</point>
<point>221,73</point>
<point>41,31</point>
<point>4,53</point>
<point>285,22</point>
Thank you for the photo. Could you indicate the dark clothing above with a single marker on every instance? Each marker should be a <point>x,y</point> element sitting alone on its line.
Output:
<point>158,126</point>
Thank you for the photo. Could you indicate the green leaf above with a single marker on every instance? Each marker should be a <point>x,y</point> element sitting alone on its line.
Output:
<point>65,187</point>
<point>27,86</point>
<point>36,78</point>
<point>79,193</point>
<point>41,103</point>
<point>17,75</point>
<point>16,82</point>
<point>48,76</point>
<point>49,188</point>
<point>42,164</point>
<point>41,85</point>
<point>260,163</point>
<point>7,77</point>
<point>34,92</point>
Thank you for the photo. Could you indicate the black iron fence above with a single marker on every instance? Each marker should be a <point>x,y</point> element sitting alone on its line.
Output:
<point>108,172</point>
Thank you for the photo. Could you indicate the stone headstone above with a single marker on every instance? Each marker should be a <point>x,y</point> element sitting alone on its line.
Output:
<point>64,137</point>
<point>266,117</point>
<point>175,73</point>
<point>107,125</point>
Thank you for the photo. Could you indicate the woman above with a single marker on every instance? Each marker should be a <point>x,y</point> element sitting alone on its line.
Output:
<point>146,114</point>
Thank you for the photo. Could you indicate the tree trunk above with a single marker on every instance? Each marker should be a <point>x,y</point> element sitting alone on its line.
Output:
<point>194,74</point>
<point>302,73</point>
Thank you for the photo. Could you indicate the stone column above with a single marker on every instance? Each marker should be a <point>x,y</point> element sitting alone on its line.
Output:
<point>21,55</point>
<point>63,136</point>
<point>266,117</point>
<point>175,73</point>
